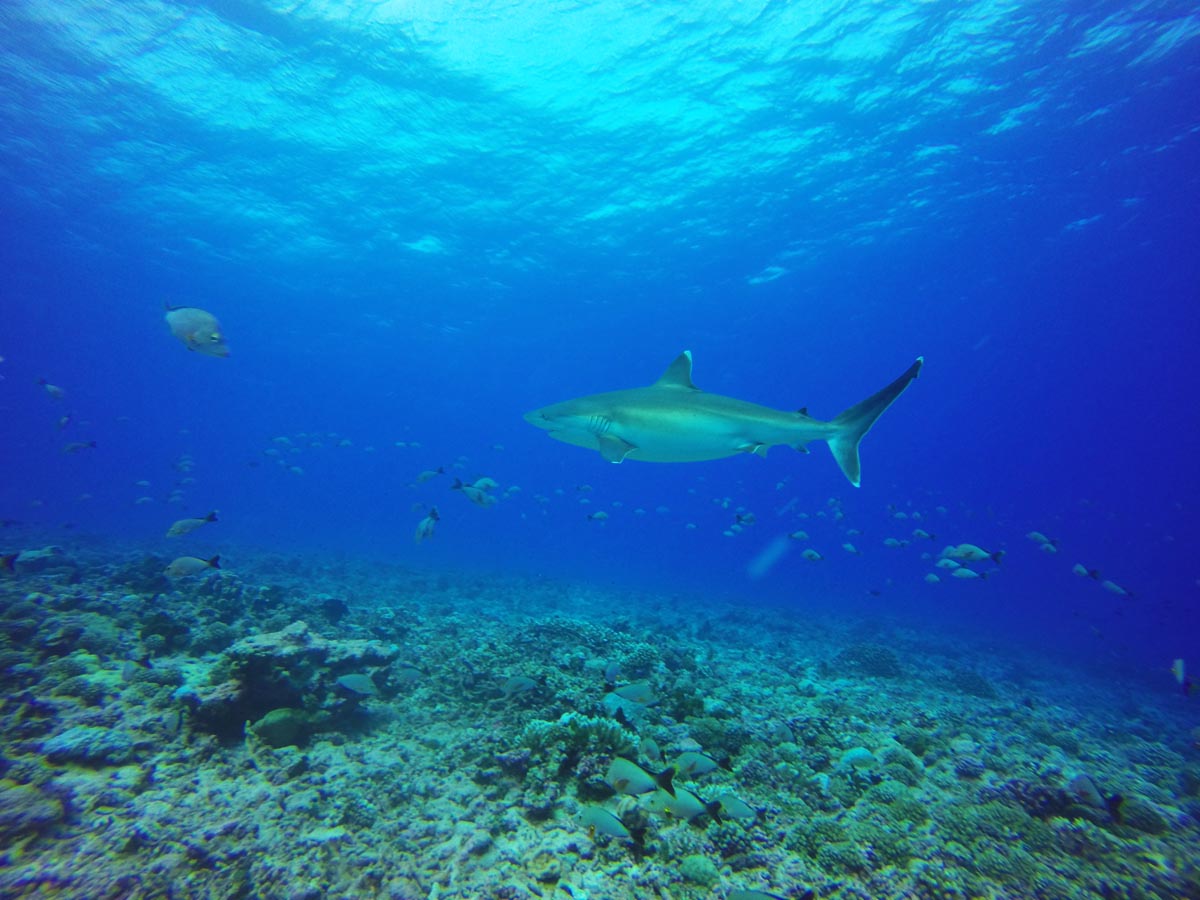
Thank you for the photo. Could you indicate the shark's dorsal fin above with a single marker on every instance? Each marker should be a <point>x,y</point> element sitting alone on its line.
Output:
<point>679,373</point>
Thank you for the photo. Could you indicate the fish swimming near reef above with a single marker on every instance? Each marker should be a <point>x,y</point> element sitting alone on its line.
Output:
<point>672,420</point>
<point>198,329</point>
<point>187,526</point>
<point>426,526</point>
<point>191,565</point>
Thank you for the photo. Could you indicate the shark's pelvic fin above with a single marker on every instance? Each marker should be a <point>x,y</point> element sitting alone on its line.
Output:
<point>678,374</point>
<point>855,422</point>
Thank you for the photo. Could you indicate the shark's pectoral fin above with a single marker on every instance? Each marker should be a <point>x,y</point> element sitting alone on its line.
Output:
<point>613,448</point>
<point>756,449</point>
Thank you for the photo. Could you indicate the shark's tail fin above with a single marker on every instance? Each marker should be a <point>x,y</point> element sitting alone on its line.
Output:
<point>858,419</point>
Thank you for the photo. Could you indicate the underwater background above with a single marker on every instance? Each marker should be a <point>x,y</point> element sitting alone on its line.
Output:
<point>416,222</point>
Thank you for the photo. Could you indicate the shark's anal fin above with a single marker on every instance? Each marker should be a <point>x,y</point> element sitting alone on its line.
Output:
<point>613,448</point>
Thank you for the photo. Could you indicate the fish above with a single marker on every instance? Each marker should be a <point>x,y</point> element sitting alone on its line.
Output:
<point>598,820</point>
<point>76,446</point>
<point>649,749</point>
<point>946,563</point>
<point>811,555</point>
<point>477,495</point>
<point>1038,538</point>
<point>736,808</point>
<point>426,525</point>
<point>517,684</point>
<point>636,692</point>
<point>672,420</point>
<point>683,804</point>
<point>1179,671</point>
<point>931,578</point>
<point>187,526</point>
<point>1084,572</point>
<point>191,565</point>
<point>692,763</point>
<point>971,553</point>
<point>965,573</point>
<point>198,329</point>
<point>52,389</point>
<point>627,777</point>
<point>1049,547</point>
<point>850,548</point>
<point>598,516</point>
<point>894,542</point>
<point>799,535</point>
<point>1113,588</point>
<point>922,533</point>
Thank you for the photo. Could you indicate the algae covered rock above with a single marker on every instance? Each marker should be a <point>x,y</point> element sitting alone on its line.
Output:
<point>1142,815</point>
<point>90,745</point>
<point>25,810</point>
<point>293,668</point>
<point>699,869</point>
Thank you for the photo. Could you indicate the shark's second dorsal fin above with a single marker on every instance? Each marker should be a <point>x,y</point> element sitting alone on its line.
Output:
<point>679,373</point>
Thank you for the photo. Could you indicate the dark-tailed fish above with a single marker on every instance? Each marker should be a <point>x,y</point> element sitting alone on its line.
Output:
<point>517,684</point>
<point>358,685</point>
<point>198,329</point>
<point>598,820</point>
<point>931,578</point>
<point>187,526</point>
<point>650,749</point>
<point>1113,588</point>
<point>812,555</point>
<point>52,389</point>
<point>426,525</point>
<point>429,474</point>
<point>1084,572</point>
<point>627,777</point>
<point>478,496</point>
<point>971,553</point>
<point>1179,671</point>
<point>636,692</point>
<point>76,446</point>
<point>191,565</point>
<point>799,535</point>
<point>947,563</point>
<point>693,763</point>
<point>966,574</point>
<point>612,671</point>
<point>598,516</point>
<point>922,533</point>
<point>850,548</point>
<point>683,804</point>
<point>736,808</point>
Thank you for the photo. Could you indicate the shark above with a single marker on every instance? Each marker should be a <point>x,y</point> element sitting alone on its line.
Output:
<point>672,420</point>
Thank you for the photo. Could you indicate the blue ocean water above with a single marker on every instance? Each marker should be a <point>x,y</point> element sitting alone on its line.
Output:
<point>418,221</point>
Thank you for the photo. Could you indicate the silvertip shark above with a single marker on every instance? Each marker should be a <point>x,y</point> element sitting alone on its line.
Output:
<point>672,420</point>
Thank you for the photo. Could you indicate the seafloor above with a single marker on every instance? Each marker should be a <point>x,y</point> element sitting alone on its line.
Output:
<point>216,737</point>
